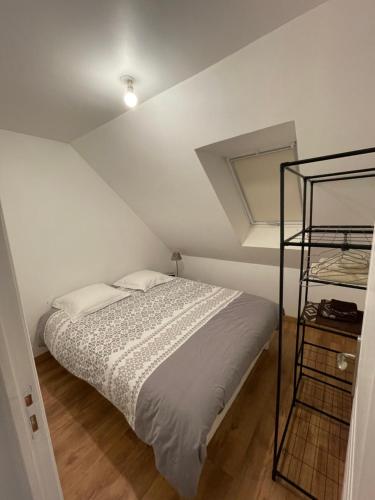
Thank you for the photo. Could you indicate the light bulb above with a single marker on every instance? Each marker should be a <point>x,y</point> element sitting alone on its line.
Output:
<point>130,99</point>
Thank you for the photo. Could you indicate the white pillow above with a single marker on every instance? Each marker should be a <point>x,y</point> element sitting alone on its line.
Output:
<point>143,280</point>
<point>88,300</point>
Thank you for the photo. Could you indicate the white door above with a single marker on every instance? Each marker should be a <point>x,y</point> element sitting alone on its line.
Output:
<point>359,480</point>
<point>27,453</point>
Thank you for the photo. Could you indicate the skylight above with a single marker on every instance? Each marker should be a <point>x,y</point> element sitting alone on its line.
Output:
<point>257,177</point>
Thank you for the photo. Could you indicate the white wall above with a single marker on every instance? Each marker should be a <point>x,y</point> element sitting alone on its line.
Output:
<point>252,278</point>
<point>261,280</point>
<point>318,71</point>
<point>67,227</point>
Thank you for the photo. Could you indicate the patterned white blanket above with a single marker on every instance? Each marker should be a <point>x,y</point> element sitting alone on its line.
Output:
<point>117,348</point>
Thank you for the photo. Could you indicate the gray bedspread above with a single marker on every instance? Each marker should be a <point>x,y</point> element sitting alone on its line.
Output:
<point>197,381</point>
<point>169,359</point>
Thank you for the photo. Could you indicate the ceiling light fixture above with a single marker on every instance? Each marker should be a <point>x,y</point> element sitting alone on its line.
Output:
<point>130,98</point>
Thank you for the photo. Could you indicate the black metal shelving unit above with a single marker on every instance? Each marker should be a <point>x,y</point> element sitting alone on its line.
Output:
<point>344,237</point>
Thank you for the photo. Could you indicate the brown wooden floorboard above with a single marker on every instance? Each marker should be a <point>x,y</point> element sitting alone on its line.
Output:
<point>99,457</point>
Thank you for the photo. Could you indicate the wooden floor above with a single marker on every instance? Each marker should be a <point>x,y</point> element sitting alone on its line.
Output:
<point>99,457</point>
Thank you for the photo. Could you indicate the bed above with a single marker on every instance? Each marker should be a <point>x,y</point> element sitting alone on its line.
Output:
<point>171,359</point>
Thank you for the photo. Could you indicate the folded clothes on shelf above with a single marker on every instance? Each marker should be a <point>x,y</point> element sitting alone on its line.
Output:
<point>311,315</point>
<point>338,310</point>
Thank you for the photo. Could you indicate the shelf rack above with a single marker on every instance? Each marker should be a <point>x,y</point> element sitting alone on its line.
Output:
<point>314,388</point>
<point>356,237</point>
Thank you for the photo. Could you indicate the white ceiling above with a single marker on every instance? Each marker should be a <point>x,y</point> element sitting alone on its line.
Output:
<point>317,71</point>
<point>60,60</point>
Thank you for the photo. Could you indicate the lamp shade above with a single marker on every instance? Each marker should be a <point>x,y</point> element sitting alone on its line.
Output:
<point>176,256</point>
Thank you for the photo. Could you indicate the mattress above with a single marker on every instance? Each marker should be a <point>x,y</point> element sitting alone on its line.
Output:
<point>170,360</point>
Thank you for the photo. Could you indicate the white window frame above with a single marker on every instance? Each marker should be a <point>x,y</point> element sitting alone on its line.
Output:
<point>238,185</point>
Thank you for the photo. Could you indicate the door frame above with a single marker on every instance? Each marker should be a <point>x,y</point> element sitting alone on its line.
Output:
<point>359,480</point>
<point>20,378</point>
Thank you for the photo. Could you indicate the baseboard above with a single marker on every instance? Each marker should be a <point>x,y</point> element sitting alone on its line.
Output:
<point>290,318</point>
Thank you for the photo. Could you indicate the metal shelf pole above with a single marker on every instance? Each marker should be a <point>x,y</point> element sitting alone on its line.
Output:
<point>296,354</point>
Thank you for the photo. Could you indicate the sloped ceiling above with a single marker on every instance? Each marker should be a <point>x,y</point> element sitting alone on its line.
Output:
<point>308,71</point>
<point>61,60</point>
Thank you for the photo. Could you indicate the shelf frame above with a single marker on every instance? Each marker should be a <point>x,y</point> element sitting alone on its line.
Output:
<point>334,283</point>
<point>325,374</point>
<point>304,239</point>
<point>344,230</point>
<point>340,333</point>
